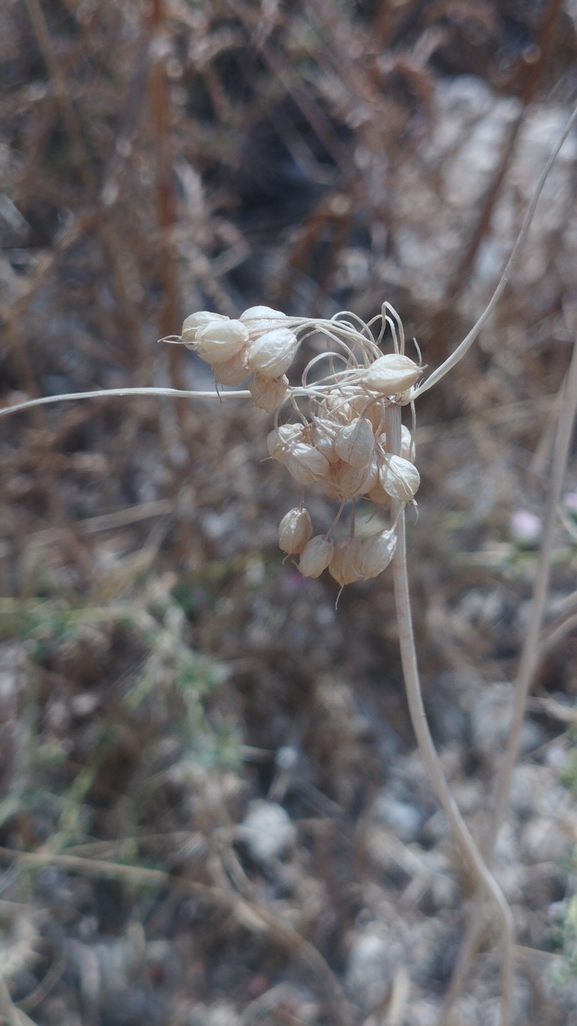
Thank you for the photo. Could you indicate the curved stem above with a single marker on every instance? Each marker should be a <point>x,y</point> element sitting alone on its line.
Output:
<point>104,392</point>
<point>467,846</point>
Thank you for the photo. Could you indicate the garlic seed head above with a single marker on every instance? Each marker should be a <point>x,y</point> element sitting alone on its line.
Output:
<point>316,556</point>
<point>399,478</point>
<point>295,530</point>
<point>391,374</point>
<point>268,393</point>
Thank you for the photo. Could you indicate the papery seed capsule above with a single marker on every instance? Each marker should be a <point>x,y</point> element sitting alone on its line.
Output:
<point>278,440</point>
<point>375,413</point>
<point>376,553</point>
<point>316,556</point>
<point>390,374</point>
<point>295,530</point>
<point>305,463</point>
<point>261,318</point>
<point>355,442</point>
<point>232,371</point>
<point>195,321</point>
<point>268,393</point>
<point>272,353</point>
<point>343,564</point>
<point>399,478</point>
<point>219,341</point>
<point>357,480</point>
<point>323,436</point>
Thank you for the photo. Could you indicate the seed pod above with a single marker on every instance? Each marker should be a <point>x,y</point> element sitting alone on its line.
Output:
<point>316,556</point>
<point>390,374</point>
<point>268,393</point>
<point>323,436</point>
<point>261,318</point>
<point>343,564</point>
<point>272,353</point>
<point>279,440</point>
<point>294,531</point>
<point>376,415</point>
<point>195,321</point>
<point>399,478</point>
<point>219,341</point>
<point>356,480</point>
<point>305,463</point>
<point>355,442</point>
<point>376,553</point>
<point>232,371</point>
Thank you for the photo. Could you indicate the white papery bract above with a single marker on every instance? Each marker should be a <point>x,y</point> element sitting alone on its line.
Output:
<point>272,353</point>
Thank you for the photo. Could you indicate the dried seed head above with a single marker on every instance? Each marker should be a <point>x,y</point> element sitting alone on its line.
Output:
<point>268,393</point>
<point>316,556</point>
<point>305,463</point>
<point>355,442</point>
<point>408,450</point>
<point>278,441</point>
<point>195,321</point>
<point>390,374</point>
<point>232,371</point>
<point>219,341</point>
<point>375,554</point>
<point>399,478</point>
<point>343,564</point>
<point>272,353</point>
<point>295,529</point>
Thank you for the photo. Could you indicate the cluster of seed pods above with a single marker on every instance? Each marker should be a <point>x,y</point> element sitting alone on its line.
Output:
<point>334,435</point>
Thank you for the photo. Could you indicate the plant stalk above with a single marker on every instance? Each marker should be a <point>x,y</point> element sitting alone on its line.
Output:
<point>465,843</point>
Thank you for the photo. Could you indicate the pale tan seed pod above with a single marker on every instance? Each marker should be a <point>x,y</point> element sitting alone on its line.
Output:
<point>399,478</point>
<point>305,463</point>
<point>195,321</point>
<point>219,341</point>
<point>271,354</point>
<point>316,556</point>
<point>279,440</point>
<point>375,413</point>
<point>262,318</point>
<point>232,371</point>
<point>268,393</point>
<point>390,374</point>
<point>356,480</point>
<point>355,442</point>
<point>343,564</point>
<point>323,434</point>
<point>295,530</point>
<point>376,553</point>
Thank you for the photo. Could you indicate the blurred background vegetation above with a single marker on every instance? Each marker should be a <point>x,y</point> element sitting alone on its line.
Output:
<point>172,696</point>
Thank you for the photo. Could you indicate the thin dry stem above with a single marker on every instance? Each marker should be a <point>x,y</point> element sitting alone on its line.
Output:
<point>463,838</point>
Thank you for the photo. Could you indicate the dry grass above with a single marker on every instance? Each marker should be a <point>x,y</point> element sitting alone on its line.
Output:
<point>161,668</point>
